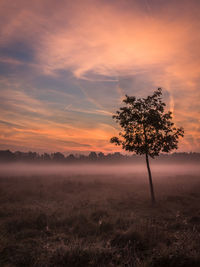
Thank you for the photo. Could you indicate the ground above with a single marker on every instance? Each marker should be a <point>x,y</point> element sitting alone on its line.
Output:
<point>99,220</point>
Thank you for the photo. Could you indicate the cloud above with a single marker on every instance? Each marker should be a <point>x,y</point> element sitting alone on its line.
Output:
<point>10,124</point>
<point>25,121</point>
<point>111,48</point>
<point>9,60</point>
<point>21,102</point>
<point>109,42</point>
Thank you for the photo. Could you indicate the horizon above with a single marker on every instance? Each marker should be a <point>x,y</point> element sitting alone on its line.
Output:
<point>87,153</point>
<point>62,79</point>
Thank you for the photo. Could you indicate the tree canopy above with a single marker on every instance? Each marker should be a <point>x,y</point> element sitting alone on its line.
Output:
<point>146,127</point>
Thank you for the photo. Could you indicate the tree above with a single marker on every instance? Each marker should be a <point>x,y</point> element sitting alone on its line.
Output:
<point>45,157</point>
<point>92,156</point>
<point>71,157</point>
<point>146,128</point>
<point>101,156</point>
<point>7,155</point>
<point>57,156</point>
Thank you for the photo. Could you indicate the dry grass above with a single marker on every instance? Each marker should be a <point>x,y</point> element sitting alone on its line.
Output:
<point>99,221</point>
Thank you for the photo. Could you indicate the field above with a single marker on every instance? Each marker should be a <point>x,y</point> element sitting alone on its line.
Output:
<point>99,220</point>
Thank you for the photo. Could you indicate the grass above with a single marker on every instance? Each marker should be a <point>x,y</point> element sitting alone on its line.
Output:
<point>99,221</point>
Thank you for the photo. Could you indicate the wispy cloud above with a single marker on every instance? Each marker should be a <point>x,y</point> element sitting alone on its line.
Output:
<point>111,48</point>
<point>95,111</point>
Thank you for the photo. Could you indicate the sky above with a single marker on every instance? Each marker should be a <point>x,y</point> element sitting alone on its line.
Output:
<point>65,67</point>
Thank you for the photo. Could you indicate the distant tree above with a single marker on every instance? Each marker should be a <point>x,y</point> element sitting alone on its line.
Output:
<point>57,156</point>
<point>82,157</point>
<point>71,157</point>
<point>6,155</point>
<point>20,156</point>
<point>117,156</point>
<point>32,156</point>
<point>92,156</point>
<point>101,155</point>
<point>146,128</point>
<point>45,157</point>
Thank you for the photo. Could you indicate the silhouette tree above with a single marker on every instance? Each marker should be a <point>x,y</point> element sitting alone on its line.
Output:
<point>101,156</point>
<point>6,155</point>
<point>92,156</point>
<point>146,128</point>
<point>57,156</point>
<point>71,157</point>
<point>45,157</point>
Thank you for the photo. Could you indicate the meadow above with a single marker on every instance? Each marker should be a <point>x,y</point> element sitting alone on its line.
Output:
<point>99,219</point>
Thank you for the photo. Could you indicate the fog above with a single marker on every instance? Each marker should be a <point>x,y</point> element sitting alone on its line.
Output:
<point>24,169</point>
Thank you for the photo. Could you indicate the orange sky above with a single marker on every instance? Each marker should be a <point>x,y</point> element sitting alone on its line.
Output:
<point>66,65</point>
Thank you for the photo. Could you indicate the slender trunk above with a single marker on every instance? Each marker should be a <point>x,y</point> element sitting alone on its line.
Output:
<point>150,180</point>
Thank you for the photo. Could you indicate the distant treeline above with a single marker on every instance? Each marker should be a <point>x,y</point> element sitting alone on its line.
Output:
<point>9,156</point>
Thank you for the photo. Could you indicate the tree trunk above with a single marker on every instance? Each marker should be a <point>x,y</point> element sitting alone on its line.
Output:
<point>150,181</point>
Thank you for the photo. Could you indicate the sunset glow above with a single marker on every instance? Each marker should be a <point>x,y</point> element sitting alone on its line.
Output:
<point>66,65</point>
